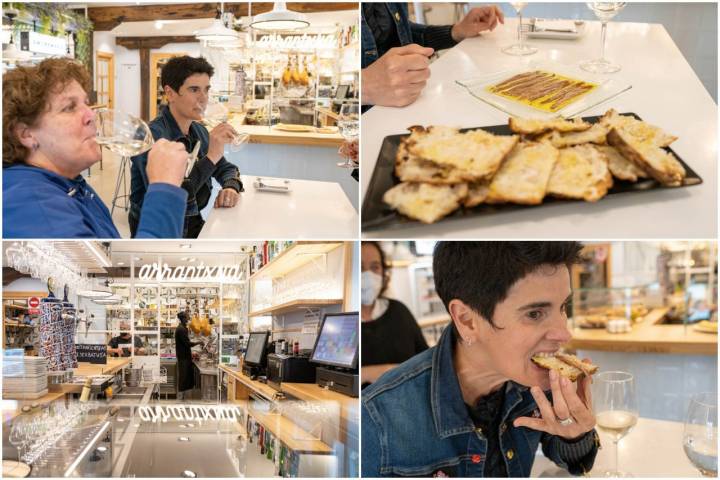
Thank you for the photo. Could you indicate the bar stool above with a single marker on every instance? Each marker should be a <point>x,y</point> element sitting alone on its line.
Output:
<point>121,201</point>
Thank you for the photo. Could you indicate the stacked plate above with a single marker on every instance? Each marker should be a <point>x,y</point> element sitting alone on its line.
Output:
<point>24,377</point>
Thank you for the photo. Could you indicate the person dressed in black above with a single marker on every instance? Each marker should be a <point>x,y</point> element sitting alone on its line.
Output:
<point>185,372</point>
<point>390,334</point>
<point>395,51</point>
<point>114,349</point>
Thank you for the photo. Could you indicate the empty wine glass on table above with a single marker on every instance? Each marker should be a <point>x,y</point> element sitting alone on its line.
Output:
<point>700,440</point>
<point>349,126</point>
<point>604,11</point>
<point>519,48</point>
<point>215,114</point>
<point>616,409</point>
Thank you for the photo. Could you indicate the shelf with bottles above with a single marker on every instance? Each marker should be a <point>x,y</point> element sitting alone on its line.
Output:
<point>292,258</point>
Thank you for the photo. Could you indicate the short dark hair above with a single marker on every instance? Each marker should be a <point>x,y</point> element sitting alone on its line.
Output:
<point>178,69</point>
<point>480,274</point>
<point>385,267</point>
<point>182,316</point>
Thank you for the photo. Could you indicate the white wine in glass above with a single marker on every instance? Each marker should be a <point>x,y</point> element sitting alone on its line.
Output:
<point>519,48</point>
<point>122,133</point>
<point>604,11</point>
<point>616,409</point>
<point>215,114</point>
<point>349,127</point>
<point>700,440</point>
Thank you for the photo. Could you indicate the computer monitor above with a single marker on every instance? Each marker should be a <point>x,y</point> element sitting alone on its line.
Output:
<point>256,351</point>
<point>341,92</point>
<point>337,343</point>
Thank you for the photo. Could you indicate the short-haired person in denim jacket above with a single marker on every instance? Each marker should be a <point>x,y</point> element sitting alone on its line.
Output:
<point>395,51</point>
<point>475,405</point>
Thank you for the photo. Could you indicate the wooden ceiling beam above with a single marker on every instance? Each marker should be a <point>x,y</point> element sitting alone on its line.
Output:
<point>107,18</point>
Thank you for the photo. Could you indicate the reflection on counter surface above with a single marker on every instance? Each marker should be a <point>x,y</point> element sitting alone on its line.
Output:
<point>643,311</point>
<point>202,359</point>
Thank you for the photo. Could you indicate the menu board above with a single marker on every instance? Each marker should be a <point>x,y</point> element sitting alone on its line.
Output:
<point>87,352</point>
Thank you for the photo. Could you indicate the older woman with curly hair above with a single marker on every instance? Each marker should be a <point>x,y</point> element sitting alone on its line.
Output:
<point>49,139</point>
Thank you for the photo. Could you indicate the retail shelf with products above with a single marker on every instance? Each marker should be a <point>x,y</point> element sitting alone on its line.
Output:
<point>295,305</point>
<point>293,258</point>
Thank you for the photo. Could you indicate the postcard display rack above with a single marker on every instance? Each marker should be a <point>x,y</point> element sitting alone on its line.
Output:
<point>151,301</point>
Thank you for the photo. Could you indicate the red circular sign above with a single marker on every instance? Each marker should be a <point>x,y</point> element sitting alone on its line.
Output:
<point>33,302</point>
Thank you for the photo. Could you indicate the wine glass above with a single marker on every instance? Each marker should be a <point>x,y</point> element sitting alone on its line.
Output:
<point>519,48</point>
<point>700,438</point>
<point>604,11</point>
<point>19,435</point>
<point>349,127</point>
<point>125,134</point>
<point>616,409</point>
<point>215,114</point>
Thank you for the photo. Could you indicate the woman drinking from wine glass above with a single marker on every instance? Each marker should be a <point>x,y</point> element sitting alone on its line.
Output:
<point>475,405</point>
<point>49,139</point>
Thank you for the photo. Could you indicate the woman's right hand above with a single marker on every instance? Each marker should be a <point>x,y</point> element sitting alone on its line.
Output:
<point>167,162</point>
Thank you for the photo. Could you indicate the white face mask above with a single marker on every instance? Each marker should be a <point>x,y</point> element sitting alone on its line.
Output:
<point>370,286</point>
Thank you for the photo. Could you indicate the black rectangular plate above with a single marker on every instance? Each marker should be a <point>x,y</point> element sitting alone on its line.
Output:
<point>376,214</point>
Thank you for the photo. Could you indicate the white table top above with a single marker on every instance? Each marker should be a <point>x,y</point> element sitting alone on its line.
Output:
<point>312,210</point>
<point>666,92</point>
<point>652,449</point>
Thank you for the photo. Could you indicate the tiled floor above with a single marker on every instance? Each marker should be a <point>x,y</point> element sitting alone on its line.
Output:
<point>103,181</point>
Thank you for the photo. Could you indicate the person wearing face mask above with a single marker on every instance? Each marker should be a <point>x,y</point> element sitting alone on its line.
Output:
<point>390,334</point>
<point>475,405</point>
<point>186,83</point>
<point>49,140</point>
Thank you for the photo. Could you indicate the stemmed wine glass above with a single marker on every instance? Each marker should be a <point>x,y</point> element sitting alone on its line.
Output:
<point>700,440</point>
<point>349,127</point>
<point>215,114</point>
<point>616,409</point>
<point>519,48</point>
<point>604,11</point>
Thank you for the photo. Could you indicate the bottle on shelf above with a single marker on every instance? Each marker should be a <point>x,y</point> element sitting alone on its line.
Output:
<point>85,395</point>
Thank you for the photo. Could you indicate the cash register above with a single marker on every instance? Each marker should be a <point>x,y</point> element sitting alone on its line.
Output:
<point>255,359</point>
<point>336,353</point>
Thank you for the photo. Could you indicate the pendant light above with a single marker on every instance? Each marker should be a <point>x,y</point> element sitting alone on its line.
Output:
<point>217,31</point>
<point>98,290</point>
<point>280,18</point>
<point>111,300</point>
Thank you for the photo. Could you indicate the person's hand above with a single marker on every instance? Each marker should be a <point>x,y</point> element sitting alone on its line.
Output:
<point>219,137</point>
<point>167,162</point>
<point>349,150</point>
<point>568,402</point>
<point>227,197</point>
<point>397,78</point>
<point>477,20</point>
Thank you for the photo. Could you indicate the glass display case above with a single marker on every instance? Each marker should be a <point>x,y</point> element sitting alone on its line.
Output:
<point>597,307</point>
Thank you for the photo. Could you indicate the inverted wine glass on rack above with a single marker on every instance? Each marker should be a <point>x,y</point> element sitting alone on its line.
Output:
<point>616,409</point>
<point>700,439</point>
<point>519,48</point>
<point>349,126</point>
<point>604,11</point>
<point>215,114</point>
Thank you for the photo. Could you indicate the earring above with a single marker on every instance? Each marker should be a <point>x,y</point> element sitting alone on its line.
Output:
<point>35,146</point>
<point>469,342</point>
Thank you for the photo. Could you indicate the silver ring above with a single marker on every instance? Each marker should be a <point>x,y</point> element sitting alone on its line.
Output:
<point>566,422</point>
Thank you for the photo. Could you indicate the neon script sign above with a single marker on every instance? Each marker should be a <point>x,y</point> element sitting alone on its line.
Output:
<point>192,273</point>
<point>188,413</point>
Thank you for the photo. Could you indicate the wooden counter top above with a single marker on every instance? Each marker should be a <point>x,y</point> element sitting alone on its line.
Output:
<point>12,408</point>
<point>262,388</point>
<point>647,337</point>
<point>312,392</point>
<point>269,135</point>
<point>113,365</point>
<point>290,434</point>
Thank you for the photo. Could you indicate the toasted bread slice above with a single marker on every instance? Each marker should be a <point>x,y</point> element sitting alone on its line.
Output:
<point>553,363</point>
<point>659,164</point>
<point>532,126</point>
<point>444,155</point>
<point>619,166</point>
<point>523,176</point>
<point>596,134</point>
<point>587,368</point>
<point>581,172</point>
<point>640,130</point>
<point>424,201</point>
<point>477,193</point>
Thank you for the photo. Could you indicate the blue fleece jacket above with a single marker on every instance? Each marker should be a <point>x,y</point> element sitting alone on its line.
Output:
<point>38,203</point>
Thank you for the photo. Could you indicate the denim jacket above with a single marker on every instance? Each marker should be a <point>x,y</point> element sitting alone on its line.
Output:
<point>407,31</point>
<point>415,423</point>
<point>199,183</point>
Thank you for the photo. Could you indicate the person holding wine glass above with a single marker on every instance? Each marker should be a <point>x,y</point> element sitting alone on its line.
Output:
<point>49,138</point>
<point>186,83</point>
<point>475,405</point>
<point>396,51</point>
